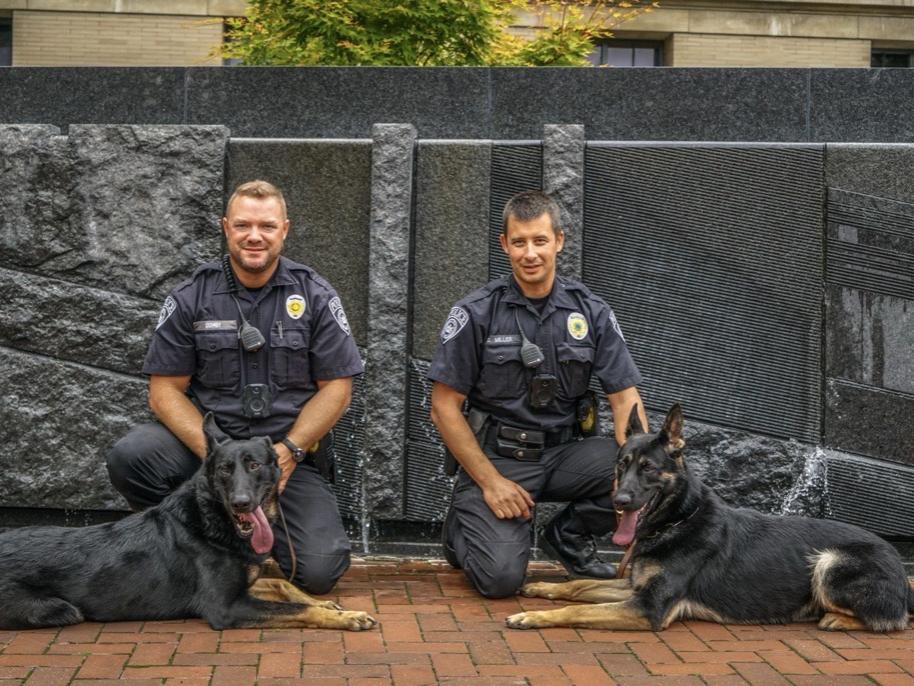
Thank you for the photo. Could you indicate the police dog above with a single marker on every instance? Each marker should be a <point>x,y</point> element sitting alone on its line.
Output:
<point>696,557</point>
<point>196,554</point>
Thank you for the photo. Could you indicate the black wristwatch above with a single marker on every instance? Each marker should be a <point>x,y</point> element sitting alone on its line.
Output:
<point>297,453</point>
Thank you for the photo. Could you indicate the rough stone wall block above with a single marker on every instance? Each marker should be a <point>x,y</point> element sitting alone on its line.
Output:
<point>386,378</point>
<point>36,179</point>
<point>124,208</point>
<point>149,200</point>
<point>563,179</point>
<point>95,227</point>
<point>57,420</point>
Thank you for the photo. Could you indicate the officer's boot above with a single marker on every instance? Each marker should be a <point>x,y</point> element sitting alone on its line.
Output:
<point>447,537</point>
<point>567,539</point>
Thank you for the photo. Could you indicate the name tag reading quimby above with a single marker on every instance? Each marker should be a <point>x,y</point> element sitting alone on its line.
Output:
<point>216,325</point>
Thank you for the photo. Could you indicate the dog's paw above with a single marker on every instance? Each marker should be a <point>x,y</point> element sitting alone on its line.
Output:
<point>357,621</point>
<point>539,589</point>
<point>832,621</point>
<point>523,620</point>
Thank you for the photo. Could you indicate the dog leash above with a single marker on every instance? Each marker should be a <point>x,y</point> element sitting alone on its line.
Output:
<point>285,528</point>
<point>626,557</point>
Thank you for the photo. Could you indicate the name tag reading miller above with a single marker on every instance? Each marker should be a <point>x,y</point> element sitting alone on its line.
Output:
<point>216,325</point>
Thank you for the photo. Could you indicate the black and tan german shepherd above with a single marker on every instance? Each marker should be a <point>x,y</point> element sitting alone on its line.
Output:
<point>696,557</point>
<point>196,554</point>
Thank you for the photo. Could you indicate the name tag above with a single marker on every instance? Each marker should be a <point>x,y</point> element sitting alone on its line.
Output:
<point>504,338</point>
<point>216,325</point>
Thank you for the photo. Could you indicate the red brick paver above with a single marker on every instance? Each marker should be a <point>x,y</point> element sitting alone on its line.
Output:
<point>436,629</point>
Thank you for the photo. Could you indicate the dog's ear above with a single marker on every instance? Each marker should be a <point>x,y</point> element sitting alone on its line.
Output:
<point>672,430</point>
<point>214,435</point>
<point>268,442</point>
<point>634,423</point>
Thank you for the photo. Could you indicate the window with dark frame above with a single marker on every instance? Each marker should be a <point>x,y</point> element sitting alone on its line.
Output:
<point>6,41</point>
<point>882,57</point>
<point>229,61</point>
<point>627,53</point>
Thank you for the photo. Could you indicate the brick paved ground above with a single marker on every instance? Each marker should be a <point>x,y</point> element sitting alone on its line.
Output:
<point>435,629</point>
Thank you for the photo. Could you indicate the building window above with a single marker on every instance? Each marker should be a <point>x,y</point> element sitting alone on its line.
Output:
<point>892,58</point>
<point>228,61</point>
<point>627,53</point>
<point>6,41</point>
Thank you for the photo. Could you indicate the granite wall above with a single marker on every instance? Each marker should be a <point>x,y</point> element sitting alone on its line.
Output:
<point>508,103</point>
<point>765,285</point>
<point>95,227</point>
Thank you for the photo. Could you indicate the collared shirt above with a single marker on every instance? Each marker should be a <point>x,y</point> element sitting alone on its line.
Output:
<point>479,354</point>
<point>307,338</point>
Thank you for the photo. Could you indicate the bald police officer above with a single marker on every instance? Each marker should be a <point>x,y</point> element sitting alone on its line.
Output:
<point>291,384</point>
<point>520,351</point>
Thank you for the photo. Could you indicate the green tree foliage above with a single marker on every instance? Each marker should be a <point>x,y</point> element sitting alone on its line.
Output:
<point>362,32</point>
<point>568,31</point>
<point>421,32</point>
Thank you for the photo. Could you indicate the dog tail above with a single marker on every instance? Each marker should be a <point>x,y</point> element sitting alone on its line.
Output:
<point>911,596</point>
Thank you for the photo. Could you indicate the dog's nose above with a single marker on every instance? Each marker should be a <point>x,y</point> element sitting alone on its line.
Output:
<point>240,501</point>
<point>622,499</point>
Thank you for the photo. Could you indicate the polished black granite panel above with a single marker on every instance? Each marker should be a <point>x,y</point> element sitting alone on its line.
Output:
<point>883,170</point>
<point>92,95</point>
<point>653,104</point>
<point>340,102</point>
<point>869,421</point>
<point>870,290</point>
<point>861,105</point>
<point>869,338</point>
<point>474,102</point>
<point>452,214</point>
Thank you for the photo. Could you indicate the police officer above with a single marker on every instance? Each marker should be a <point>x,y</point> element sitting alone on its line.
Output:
<point>264,344</point>
<point>520,351</point>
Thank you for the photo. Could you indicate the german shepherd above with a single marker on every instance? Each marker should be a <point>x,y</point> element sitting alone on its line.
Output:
<point>196,554</point>
<point>696,557</point>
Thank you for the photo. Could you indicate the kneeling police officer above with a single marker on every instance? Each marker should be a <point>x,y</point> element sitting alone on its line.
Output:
<point>263,343</point>
<point>511,402</point>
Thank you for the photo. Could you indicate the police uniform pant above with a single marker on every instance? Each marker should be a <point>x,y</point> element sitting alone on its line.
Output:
<point>494,552</point>
<point>150,462</point>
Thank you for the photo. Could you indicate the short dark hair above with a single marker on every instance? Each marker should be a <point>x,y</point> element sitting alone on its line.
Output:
<point>529,205</point>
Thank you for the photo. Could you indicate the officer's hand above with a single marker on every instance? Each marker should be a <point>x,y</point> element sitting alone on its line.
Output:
<point>286,464</point>
<point>507,499</point>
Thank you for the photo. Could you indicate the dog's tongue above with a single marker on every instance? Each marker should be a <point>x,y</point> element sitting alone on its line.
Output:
<point>625,529</point>
<point>262,538</point>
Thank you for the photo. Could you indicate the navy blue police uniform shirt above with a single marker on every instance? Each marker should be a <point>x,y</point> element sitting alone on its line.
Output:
<point>479,355</point>
<point>307,338</point>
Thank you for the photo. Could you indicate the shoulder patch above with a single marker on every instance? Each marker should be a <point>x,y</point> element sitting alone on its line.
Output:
<point>168,308</point>
<point>336,309</point>
<point>457,318</point>
<point>615,323</point>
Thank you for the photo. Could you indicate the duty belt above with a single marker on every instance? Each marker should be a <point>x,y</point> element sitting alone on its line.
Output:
<point>526,444</point>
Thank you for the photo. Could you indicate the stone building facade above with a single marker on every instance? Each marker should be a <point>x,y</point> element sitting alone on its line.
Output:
<point>772,33</point>
<point>113,32</point>
<point>681,33</point>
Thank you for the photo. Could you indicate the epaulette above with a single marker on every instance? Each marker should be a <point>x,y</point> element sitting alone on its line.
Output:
<point>485,291</point>
<point>573,284</point>
<point>201,271</point>
<point>309,272</point>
